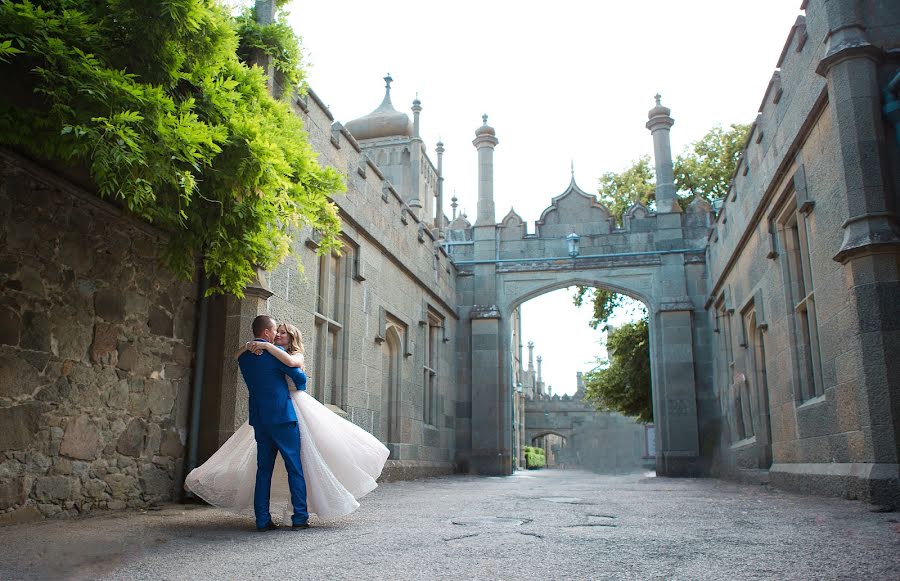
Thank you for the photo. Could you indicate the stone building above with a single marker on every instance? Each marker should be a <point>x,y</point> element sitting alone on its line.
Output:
<point>803,264</point>
<point>773,321</point>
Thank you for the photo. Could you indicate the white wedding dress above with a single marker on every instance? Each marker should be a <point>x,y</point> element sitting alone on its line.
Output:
<point>341,462</point>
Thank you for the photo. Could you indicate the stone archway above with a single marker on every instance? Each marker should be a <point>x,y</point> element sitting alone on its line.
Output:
<point>656,258</point>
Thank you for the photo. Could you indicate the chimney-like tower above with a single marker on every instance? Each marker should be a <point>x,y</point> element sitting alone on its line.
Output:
<point>485,141</point>
<point>416,109</point>
<point>659,124</point>
<point>439,211</point>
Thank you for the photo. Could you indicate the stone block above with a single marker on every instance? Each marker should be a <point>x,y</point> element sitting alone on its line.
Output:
<point>81,440</point>
<point>127,356</point>
<point>160,322</point>
<point>131,441</point>
<point>160,396</point>
<point>121,485</point>
<point>171,444</point>
<point>17,376</point>
<point>117,395</point>
<point>56,488</point>
<point>10,327</point>
<point>104,349</point>
<point>109,305</point>
<point>36,331</point>
<point>156,482</point>
<point>19,424</point>
<point>12,493</point>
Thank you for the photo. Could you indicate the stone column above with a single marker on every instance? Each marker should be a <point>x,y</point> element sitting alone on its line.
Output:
<point>659,124</point>
<point>491,387</point>
<point>239,314</point>
<point>439,211</point>
<point>674,392</point>
<point>870,247</point>
<point>485,141</point>
<point>265,15</point>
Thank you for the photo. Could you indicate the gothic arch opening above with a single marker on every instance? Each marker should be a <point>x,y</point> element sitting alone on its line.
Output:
<point>557,359</point>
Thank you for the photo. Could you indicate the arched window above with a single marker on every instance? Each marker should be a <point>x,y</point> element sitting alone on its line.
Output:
<point>388,429</point>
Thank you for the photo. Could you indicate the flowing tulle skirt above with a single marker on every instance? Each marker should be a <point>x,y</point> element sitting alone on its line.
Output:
<point>341,462</point>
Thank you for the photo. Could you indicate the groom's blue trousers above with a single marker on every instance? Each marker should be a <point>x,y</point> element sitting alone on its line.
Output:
<point>271,439</point>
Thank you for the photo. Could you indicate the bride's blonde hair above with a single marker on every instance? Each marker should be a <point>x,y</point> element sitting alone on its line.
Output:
<point>295,345</point>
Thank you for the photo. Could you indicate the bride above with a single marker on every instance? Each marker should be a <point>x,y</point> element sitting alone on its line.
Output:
<point>341,461</point>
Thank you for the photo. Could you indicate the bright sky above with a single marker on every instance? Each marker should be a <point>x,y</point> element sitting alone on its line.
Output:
<point>563,82</point>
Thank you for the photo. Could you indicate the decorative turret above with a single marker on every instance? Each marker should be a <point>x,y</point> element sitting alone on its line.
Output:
<point>485,141</point>
<point>385,121</point>
<point>659,124</point>
<point>439,211</point>
<point>416,109</point>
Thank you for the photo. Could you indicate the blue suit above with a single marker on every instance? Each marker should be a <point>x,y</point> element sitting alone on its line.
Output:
<point>274,423</point>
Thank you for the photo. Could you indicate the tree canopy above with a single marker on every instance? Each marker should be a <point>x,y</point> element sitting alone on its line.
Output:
<point>153,98</point>
<point>624,386</point>
<point>619,190</point>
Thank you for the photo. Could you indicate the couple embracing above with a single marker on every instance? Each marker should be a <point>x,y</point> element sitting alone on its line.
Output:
<point>328,462</point>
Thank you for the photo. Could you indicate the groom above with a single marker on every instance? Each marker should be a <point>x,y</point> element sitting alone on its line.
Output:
<point>274,422</point>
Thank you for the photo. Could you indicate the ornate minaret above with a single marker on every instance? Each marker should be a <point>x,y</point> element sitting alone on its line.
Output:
<point>439,211</point>
<point>416,109</point>
<point>539,382</point>
<point>659,124</point>
<point>485,141</point>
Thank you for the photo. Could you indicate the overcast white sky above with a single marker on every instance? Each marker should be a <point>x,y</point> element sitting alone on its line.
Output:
<point>565,81</point>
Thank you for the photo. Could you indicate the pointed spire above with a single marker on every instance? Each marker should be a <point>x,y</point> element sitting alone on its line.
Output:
<point>658,98</point>
<point>386,102</point>
<point>454,204</point>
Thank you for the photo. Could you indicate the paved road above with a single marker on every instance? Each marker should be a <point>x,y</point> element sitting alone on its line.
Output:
<point>549,524</point>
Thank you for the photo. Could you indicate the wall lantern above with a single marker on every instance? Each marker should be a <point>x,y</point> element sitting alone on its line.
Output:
<point>573,239</point>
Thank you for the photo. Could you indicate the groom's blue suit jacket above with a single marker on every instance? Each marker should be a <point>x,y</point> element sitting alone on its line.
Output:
<point>270,397</point>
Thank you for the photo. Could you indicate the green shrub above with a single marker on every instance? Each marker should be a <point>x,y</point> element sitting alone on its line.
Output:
<point>534,458</point>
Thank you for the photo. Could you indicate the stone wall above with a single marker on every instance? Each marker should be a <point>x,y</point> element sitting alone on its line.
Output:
<point>817,416</point>
<point>95,353</point>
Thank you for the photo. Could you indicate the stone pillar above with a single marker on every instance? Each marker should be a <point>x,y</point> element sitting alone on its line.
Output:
<point>531,356</point>
<point>439,211</point>
<point>659,124</point>
<point>870,247</point>
<point>674,391</point>
<point>485,141</point>
<point>491,356</point>
<point>491,394</point>
<point>416,109</point>
<point>234,403</point>
<point>265,15</point>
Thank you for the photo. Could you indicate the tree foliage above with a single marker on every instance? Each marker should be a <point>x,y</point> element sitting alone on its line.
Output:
<point>706,167</point>
<point>153,98</point>
<point>604,301</point>
<point>618,191</point>
<point>624,386</point>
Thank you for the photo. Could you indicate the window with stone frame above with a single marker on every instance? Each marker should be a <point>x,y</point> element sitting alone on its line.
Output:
<point>331,307</point>
<point>794,234</point>
<point>730,400</point>
<point>758,375</point>
<point>430,368</point>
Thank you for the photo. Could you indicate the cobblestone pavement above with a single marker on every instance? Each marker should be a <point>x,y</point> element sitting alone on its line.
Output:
<point>550,524</point>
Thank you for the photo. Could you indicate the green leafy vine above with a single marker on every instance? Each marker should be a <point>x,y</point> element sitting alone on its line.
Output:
<point>153,98</point>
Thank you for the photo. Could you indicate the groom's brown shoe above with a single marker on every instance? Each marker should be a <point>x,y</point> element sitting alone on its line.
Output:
<point>269,527</point>
<point>300,526</point>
